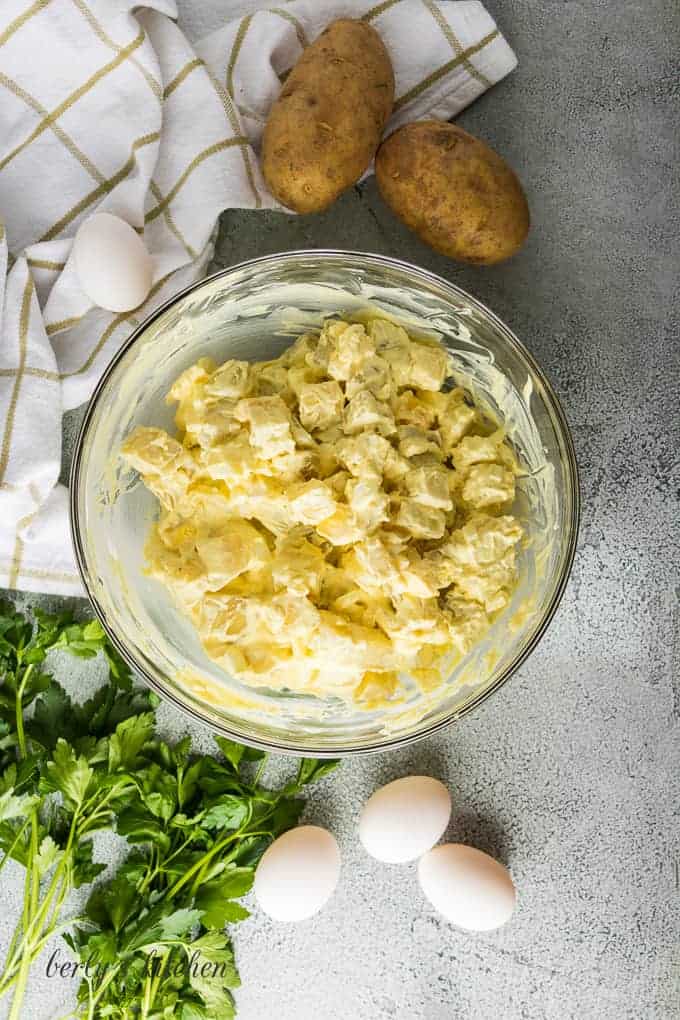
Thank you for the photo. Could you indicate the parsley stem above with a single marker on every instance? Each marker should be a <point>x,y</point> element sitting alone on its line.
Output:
<point>113,791</point>
<point>110,975</point>
<point>40,926</point>
<point>20,990</point>
<point>29,948</point>
<point>207,857</point>
<point>151,984</point>
<point>33,864</point>
<point>26,909</point>
<point>57,929</point>
<point>31,882</point>
<point>146,1000</point>
<point>58,881</point>
<point>262,764</point>
<point>28,945</point>
<point>179,849</point>
<point>157,977</point>
<point>21,736</point>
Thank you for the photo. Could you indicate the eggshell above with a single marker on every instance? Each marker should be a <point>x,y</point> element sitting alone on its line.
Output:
<point>298,873</point>
<point>402,820</point>
<point>112,263</point>
<point>471,889</point>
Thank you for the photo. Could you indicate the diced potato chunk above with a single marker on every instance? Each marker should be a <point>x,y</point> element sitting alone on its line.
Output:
<point>374,376</point>
<point>235,548</point>
<point>413,441</point>
<point>340,528</point>
<point>429,366</point>
<point>351,349</point>
<point>410,410</point>
<point>269,421</point>
<point>232,379</point>
<point>421,521</point>
<point>365,412</point>
<point>368,501</point>
<point>475,450</point>
<point>320,404</point>
<point>311,502</point>
<point>489,485</point>
<point>430,486</point>
<point>364,455</point>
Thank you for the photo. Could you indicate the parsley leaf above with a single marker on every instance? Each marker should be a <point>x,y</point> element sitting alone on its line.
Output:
<point>229,812</point>
<point>48,855</point>
<point>53,717</point>
<point>12,806</point>
<point>129,738</point>
<point>311,770</point>
<point>214,898</point>
<point>67,774</point>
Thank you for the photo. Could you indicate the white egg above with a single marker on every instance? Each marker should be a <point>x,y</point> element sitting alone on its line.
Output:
<point>113,266</point>
<point>471,889</point>
<point>298,873</point>
<point>402,820</point>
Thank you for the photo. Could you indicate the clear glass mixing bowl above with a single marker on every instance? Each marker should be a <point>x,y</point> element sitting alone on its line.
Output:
<point>253,311</point>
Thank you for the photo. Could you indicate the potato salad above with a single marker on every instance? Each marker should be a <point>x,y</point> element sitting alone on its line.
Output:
<point>337,520</point>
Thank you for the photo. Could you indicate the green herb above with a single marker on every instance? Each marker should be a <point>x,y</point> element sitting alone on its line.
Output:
<point>154,943</point>
<point>151,943</point>
<point>64,748</point>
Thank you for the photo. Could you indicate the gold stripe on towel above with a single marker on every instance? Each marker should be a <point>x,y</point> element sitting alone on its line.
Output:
<point>108,41</point>
<point>55,267</point>
<point>181,75</point>
<point>235,50</point>
<point>171,225</point>
<point>299,30</point>
<point>235,125</point>
<point>379,9</point>
<point>21,19</point>
<point>455,43</point>
<point>56,129</point>
<point>38,373</point>
<point>111,328</point>
<point>82,90</point>
<point>103,189</point>
<point>23,342</point>
<point>226,143</point>
<point>442,71</point>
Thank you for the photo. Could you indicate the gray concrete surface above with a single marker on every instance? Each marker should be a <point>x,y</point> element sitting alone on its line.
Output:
<point>570,773</point>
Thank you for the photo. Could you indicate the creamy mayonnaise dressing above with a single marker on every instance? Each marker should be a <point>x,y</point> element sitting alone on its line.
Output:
<point>335,518</point>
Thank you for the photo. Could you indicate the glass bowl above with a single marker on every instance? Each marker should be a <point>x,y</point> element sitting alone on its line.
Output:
<point>253,311</point>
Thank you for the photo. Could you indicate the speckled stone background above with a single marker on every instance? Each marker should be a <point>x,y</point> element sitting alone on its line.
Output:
<point>569,774</point>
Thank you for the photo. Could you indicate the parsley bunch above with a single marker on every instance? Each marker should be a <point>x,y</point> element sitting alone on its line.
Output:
<point>154,945</point>
<point>85,753</point>
<point>151,943</point>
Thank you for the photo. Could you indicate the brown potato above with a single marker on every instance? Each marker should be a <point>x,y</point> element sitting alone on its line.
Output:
<point>323,130</point>
<point>456,193</point>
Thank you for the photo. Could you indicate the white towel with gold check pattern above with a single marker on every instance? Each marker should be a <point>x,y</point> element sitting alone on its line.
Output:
<point>105,105</point>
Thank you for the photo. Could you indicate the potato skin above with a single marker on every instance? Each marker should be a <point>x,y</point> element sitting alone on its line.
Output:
<point>323,130</point>
<point>457,194</point>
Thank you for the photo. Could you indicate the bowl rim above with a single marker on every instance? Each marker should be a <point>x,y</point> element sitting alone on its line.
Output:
<point>282,747</point>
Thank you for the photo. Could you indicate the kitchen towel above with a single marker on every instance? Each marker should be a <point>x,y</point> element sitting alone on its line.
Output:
<point>106,106</point>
